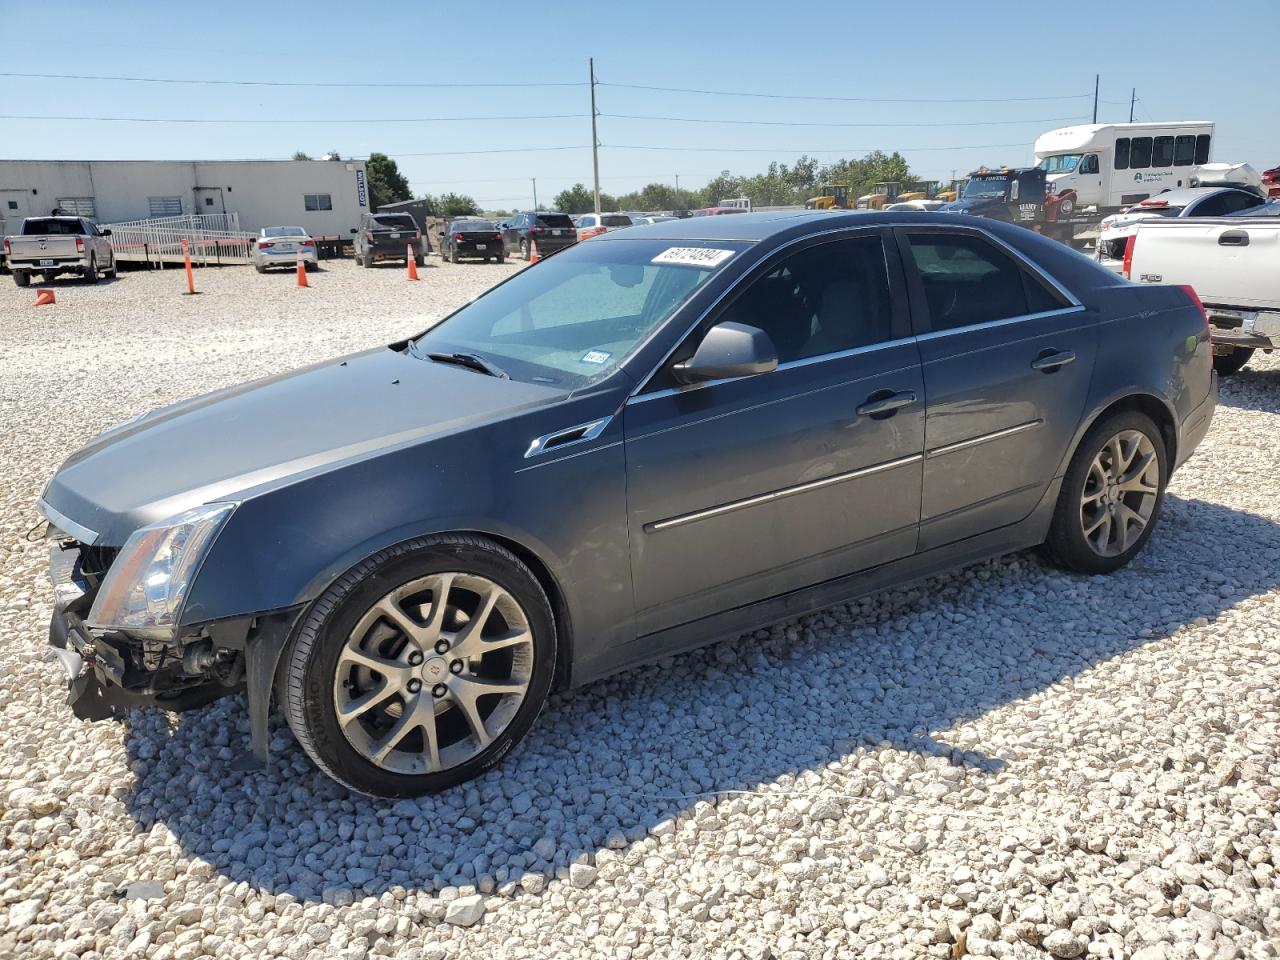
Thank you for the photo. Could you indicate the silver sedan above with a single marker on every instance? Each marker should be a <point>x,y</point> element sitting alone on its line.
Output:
<point>281,247</point>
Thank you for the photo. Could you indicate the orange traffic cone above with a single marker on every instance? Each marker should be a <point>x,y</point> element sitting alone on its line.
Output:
<point>44,298</point>
<point>410,262</point>
<point>533,251</point>
<point>302,273</point>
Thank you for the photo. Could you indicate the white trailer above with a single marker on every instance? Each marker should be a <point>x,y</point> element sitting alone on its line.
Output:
<point>1107,166</point>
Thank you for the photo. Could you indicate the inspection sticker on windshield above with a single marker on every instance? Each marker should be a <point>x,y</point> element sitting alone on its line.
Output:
<point>705,257</point>
<point>596,356</point>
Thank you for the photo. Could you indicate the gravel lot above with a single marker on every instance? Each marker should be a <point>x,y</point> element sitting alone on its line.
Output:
<point>1007,761</point>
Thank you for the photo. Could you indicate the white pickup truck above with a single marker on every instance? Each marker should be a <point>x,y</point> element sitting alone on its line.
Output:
<point>51,246</point>
<point>1232,263</point>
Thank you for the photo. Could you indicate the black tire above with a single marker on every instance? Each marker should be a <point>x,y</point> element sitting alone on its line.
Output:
<point>524,249</point>
<point>1229,364</point>
<point>1066,545</point>
<point>453,255</point>
<point>22,278</point>
<point>500,258</point>
<point>91,273</point>
<point>114,270</point>
<point>260,267</point>
<point>308,266</point>
<point>305,681</point>
<point>419,260</point>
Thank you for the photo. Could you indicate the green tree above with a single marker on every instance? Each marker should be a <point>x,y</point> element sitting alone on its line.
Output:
<point>299,155</point>
<point>457,205</point>
<point>386,183</point>
<point>577,199</point>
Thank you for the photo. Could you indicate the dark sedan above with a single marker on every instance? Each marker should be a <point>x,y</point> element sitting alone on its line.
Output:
<point>549,230</point>
<point>472,240</point>
<point>671,434</point>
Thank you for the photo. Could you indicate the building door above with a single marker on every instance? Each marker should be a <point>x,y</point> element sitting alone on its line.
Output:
<point>209,201</point>
<point>13,210</point>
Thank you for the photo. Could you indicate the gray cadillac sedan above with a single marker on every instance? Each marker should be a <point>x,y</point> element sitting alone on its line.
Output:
<point>661,437</point>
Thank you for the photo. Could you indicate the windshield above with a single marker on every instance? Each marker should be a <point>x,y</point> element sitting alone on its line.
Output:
<point>1060,163</point>
<point>283,232</point>
<point>985,188</point>
<point>575,317</point>
<point>401,222</point>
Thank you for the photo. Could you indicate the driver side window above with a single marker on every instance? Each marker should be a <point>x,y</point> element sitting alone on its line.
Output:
<point>824,299</point>
<point>1089,164</point>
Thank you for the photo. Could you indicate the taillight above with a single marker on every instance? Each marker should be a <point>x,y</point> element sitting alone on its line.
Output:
<point>1129,244</point>
<point>535,229</point>
<point>497,236</point>
<point>1190,291</point>
<point>457,238</point>
<point>264,244</point>
<point>79,244</point>
<point>8,250</point>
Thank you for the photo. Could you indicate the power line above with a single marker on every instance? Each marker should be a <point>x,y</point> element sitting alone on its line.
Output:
<point>286,83</point>
<point>294,120</point>
<point>830,99</point>
<point>826,123</point>
<point>776,150</point>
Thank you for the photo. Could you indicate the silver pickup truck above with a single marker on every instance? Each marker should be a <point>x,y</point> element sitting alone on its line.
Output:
<point>51,246</point>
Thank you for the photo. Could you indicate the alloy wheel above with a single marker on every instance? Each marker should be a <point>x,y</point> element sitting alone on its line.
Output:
<point>433,672</point>
<point>1120,493</point>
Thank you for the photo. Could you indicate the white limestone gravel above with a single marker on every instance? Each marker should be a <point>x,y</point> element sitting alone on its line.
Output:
<point>1006,761</point>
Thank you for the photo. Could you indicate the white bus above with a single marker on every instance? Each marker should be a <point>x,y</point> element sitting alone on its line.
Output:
<point>1114,165</point>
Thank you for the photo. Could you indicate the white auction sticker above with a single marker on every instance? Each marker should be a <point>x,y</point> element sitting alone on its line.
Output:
<point>706,257</point>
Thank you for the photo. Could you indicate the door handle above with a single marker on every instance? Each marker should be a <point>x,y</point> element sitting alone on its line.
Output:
<point>885,403</point>
<point>1233,238</point>
<point>1051,361</point>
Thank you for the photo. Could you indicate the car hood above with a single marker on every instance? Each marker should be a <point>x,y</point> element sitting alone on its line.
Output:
<point>249,438</point>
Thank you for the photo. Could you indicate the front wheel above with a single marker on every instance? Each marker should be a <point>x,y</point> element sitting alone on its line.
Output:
<point>114,270</point>
<point>420,668</point>
<point>1111,495</point>
<point>91,274</point>
<point>1229,364</point>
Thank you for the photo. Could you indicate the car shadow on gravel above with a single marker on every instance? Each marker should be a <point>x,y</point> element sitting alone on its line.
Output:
<point>609,763</point>
<point>1252,389</point>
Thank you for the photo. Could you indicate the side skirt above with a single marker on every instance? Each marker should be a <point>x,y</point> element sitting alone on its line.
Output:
<point>1026,533</point>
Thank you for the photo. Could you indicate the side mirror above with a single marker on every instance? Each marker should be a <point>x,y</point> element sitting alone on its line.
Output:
<point>105,233</point>
<point>729,350</point>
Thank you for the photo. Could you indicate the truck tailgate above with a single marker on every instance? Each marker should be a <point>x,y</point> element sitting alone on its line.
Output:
<point>28,249</point>
<point>1232,262</point>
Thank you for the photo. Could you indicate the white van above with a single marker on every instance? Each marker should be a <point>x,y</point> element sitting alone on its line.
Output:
<point>1114,165</point>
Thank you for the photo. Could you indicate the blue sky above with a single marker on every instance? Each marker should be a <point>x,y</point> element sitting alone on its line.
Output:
<point>843,49</point>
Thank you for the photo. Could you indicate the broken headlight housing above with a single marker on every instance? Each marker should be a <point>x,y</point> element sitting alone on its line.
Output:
<point>145,589</point>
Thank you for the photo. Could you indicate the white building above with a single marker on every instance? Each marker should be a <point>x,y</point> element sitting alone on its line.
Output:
<point>324,196</point>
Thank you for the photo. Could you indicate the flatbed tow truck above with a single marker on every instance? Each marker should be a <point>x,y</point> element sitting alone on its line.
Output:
<point>1018,195</point>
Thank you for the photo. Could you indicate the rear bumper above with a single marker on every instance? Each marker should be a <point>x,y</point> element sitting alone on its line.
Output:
<point>1232,327</point>
<point>30,265</point>
<point>269,259</point>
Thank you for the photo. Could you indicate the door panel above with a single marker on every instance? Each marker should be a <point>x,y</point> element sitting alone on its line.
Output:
<point>746,489</point>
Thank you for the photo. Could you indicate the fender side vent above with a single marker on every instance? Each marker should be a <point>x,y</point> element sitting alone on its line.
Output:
<point>563,438</point>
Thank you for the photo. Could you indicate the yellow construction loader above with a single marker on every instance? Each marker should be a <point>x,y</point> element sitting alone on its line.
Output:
<point>830,197</point>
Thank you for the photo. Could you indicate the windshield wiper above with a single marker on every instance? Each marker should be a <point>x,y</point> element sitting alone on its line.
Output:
<point>471,361</point>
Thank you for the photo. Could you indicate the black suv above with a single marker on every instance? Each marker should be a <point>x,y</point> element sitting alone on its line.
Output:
<point>552,231</point>
<point>387,236</point>
<point>470,237</point>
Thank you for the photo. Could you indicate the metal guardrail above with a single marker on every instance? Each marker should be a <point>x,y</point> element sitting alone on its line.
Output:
<point>212,239</point>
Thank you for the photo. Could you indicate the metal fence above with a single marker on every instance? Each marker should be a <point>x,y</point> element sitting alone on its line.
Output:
<point>213,239</point>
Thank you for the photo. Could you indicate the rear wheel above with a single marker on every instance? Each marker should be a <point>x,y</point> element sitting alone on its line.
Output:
<point>1111,495</point>
<point>22,278</point>
<point>500,258</point>
<point>420,668</point>
<point>419,260</point>
<point>453,255</point>
<point>1229,364</point>
<point>261,268</point>
<point>524,249</point>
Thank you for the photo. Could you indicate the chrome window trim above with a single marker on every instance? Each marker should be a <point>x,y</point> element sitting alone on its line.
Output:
<point>946,448</point>
<point>66,524</point>
<point>1061,311</point>
<point>780,494</point>
<point>591,429</point>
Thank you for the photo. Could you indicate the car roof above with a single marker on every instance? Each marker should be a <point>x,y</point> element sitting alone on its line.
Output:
<point>1184,195</point>
<point>751,226</point>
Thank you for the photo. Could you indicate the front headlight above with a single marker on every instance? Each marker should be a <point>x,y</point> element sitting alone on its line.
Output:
<point>147,585</point>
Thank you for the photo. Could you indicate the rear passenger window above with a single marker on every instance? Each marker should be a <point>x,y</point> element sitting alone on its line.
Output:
<point>967,280</point>
<point>1140,153</point>
<point>1162,152</point>
<point>1122,153</point>
<point>827,298</point>
<point>1202,148</point>
<point>1184,151</point>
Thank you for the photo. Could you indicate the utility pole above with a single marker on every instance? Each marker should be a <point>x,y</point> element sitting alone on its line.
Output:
<point>677,191</point>
<point>595,140</point>
<point>535,194</point>
<point>1095,97</point>
<point>1132,99</point>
